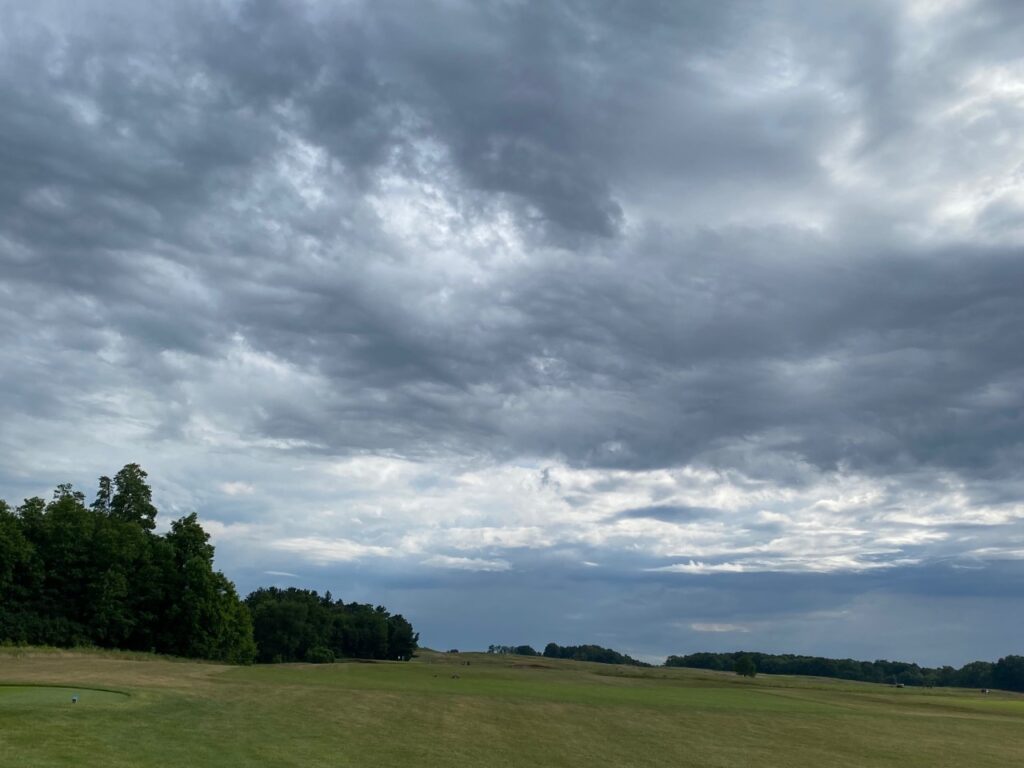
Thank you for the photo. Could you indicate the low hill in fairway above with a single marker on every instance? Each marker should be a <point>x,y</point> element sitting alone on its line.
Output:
<point>494,711</point>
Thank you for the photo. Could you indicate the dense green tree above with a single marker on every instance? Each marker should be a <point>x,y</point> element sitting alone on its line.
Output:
<point>402,640</point>
<point>590,653</point>
<point>115,590</point>
<point>71,573</point>
<point>74,574</point>
<point>67,491</point>
<point>1008,673</point>
<point>68,530</point>
<point>283,626</point>
<point>320,655</point>
<point>132,500</point>
<point>15,551</point>
<point>745,666</point>
<point>977,674</point>
<point>291,624</point>
<point>103,496</point>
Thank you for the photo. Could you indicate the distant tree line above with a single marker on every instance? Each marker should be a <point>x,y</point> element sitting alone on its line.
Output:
<point>73,573</point>
<point>1006,674</point>
<point>590,653</point>
<point>574,652</point>
<point>300,625</point>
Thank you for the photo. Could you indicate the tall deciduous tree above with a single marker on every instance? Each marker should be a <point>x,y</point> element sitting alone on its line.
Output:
<point>103,496</point>
<point>74,574</point>
<point>745,666</point>
<point>71,573</point>
<point>132,500</point>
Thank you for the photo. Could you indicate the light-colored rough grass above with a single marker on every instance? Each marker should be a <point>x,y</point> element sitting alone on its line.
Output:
<point>499,711</point>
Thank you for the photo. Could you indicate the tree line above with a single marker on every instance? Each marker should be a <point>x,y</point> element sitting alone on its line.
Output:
<point>590,653</point>
<point>300,625</point>
<point>1007,673</point>
<point>575,652</point>
<point>73,573</point>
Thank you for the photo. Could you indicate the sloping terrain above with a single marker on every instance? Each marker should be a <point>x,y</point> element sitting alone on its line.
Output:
<point>478,710</point>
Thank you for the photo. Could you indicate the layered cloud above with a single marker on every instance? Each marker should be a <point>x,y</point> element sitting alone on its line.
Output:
<point>530,293</point>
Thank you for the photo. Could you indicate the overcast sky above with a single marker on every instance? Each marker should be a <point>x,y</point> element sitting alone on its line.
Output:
<point>668,326</point>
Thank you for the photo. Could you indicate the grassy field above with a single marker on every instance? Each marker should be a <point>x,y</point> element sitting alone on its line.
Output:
<point>496,711</point>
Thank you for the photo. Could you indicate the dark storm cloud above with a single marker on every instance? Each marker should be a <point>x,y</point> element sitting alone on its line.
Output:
<point>776,243</point>
<point>139,186</point>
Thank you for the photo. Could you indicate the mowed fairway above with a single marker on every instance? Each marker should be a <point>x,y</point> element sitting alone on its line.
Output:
<point>498,711</point>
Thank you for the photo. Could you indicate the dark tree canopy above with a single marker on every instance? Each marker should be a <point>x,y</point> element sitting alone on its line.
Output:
<point>590,653</point>
<point>1007,673</point>
<point>745,666</point>
<point>300,625</point>
<point>132,501</point>
<point>72,574</point>
<point>103,495</point>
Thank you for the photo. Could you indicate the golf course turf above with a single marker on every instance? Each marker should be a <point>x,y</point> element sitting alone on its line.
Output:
<point>478,710</point>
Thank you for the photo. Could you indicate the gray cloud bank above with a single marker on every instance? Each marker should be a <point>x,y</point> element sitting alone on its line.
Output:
<point>718,288</point>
